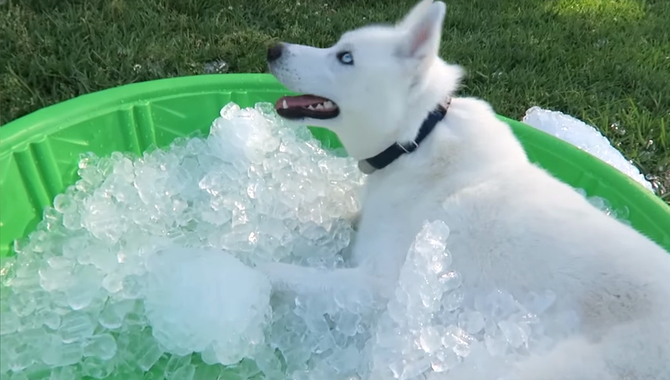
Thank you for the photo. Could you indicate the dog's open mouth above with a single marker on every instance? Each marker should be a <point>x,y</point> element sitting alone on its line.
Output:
<point>312,106</point>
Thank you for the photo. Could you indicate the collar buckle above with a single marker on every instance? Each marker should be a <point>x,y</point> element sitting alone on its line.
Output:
<point>412,146</point>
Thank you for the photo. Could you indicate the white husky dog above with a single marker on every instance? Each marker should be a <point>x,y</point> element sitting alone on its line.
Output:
<point>513,226</point>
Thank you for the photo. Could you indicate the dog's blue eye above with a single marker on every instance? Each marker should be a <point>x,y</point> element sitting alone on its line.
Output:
<point>345,57</point>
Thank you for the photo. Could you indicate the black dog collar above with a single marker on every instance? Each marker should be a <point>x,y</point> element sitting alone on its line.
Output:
<point>396,150</point>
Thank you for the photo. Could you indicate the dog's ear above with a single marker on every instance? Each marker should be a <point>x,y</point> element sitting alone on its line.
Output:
<point>422,30</point>
<point>414,14</point>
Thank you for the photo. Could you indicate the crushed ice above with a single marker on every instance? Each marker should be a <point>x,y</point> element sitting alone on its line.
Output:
<point>145,268</point>
<point>106,263</point>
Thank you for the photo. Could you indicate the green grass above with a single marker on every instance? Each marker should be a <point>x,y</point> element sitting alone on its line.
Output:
<point>606,62</point>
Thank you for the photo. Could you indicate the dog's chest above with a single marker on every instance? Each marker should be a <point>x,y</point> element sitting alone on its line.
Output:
<point>484,248</point>
<point>393,213</point>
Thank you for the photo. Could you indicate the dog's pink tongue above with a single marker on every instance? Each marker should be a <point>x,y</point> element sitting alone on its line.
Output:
<point>299,101</point>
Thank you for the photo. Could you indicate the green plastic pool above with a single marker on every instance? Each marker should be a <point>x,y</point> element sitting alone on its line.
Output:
<point>39,152</point>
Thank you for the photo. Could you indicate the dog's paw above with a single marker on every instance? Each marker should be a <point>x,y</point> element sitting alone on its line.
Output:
<point>300,279</point>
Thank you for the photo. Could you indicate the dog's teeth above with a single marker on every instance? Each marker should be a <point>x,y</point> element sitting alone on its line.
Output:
<point>319,106</point>
<point>285,105</point>
<point>310,107</point>
<point>328,105</point>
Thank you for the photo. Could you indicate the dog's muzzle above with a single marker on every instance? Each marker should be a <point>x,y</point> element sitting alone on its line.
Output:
<point>275,51</point>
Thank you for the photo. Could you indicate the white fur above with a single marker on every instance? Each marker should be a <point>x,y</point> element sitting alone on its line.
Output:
<point>513,226</point>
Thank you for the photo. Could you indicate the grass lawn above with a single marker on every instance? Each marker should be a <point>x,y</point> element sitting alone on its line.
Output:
<point>606,62</point>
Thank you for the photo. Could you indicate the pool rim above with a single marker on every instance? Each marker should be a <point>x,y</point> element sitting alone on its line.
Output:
<point>18,134</point>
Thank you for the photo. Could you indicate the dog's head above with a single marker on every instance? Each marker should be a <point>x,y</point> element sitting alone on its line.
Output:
<point>374,86</point>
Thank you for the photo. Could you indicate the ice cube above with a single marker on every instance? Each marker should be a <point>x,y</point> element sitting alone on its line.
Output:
<point>22,304</point>
<point>471,321</point>
<point>105,260</point>
<point>100,217</point>
<point>84,287</point>
<point>346,360</point>
<point>64,373</point>
<point>149,355</point>
<point>459,340</point>
<point>10,322</point>
<point>75,326</point>
<point>432,238</point>
<point>415,368</point>
<point>348,323</point>
<point>445,360</point>
<point>56,274</point>
<point>123,167</point>
<point>431,338</point>
<point>450,280</point>
<point>268,362</point>
<point>110,317</point>
<point>64,204</point>
<point>49,318</point>
<point>515,335</point>
<point>496,342</point>
<point>97,368</point>
<point>113,282</point>
<point>72,221</point>
<point>57,353</point>
<point>453,300</point>
<point>175,363</point>
<point>21,360</point>
<point>102,346</point>
<point>131,287</point>
<point>71,353</point>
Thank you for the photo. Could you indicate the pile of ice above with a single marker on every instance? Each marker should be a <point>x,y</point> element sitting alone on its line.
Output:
<point>583,136</point>
<point>89,292</point>
<point>145,268</point>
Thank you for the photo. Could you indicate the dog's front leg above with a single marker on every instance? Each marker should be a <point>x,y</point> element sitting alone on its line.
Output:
<point>299,279</point>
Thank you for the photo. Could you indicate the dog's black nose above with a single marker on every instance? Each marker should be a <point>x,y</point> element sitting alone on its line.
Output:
<point>274,52</point>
